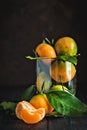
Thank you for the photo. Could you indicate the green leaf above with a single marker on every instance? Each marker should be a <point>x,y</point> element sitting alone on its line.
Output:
<point>66,103</point>
<point>46,40</point>
<point>72,59</point>
<point>36,58</point>
<point>8,105</point>
<point>28,93</point>
<point>43,82</point>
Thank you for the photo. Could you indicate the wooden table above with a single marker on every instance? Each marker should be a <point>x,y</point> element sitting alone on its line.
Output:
<point>12,123</point>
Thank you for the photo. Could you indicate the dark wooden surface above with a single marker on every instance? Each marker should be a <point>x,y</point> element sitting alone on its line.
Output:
<point>10,123</point>
<point>24,24</point>
<point>64,123</point>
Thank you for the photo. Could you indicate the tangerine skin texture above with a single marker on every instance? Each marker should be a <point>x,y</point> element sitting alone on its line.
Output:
<point>66,46</point>
<point>41,100</point>
<point>45,50</point>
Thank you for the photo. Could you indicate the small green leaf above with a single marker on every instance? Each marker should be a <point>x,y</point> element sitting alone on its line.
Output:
<point>28,93</point>
<point>71,59</point>
<point>35,58</point>
<point>31,58</point>
<point>8,105</point>
<point>43,82</point>
<point>66,103</point>
<point>46,40</point>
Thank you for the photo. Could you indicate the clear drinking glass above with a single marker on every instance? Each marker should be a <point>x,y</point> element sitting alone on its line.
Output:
<point>51,72</point>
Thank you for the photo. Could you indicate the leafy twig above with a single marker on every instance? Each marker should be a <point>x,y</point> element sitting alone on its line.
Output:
<point>46,40</point>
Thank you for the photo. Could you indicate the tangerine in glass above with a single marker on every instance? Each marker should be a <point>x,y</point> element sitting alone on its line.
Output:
<point>62,72</point>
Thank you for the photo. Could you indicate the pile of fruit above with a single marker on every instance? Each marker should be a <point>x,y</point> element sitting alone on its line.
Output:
<point>56,64</point>
<point>53,98</point>
<point>51,94</point>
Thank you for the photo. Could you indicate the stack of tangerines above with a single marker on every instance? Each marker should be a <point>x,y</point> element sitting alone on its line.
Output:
<point>35,110</point>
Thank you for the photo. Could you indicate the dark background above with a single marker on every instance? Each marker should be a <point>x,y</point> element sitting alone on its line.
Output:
<point>25,23</point>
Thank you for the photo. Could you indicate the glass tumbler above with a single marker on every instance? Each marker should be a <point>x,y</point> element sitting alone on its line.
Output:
<point>51,72</point>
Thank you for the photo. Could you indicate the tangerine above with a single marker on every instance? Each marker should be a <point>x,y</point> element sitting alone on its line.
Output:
<point>62,71</point>
<point>41,100</point>
<point>46,51</point>
<point>66,46</point>
<point>29,114</point>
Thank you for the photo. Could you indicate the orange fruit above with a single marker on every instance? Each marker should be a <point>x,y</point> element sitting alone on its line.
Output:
<point>62,72</point>
<point>66,46</point>
<point>29,114</point>
<point>46,51</point>
<point>41,100</point>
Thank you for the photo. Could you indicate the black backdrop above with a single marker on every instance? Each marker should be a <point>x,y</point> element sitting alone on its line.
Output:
<point>25,23</point>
